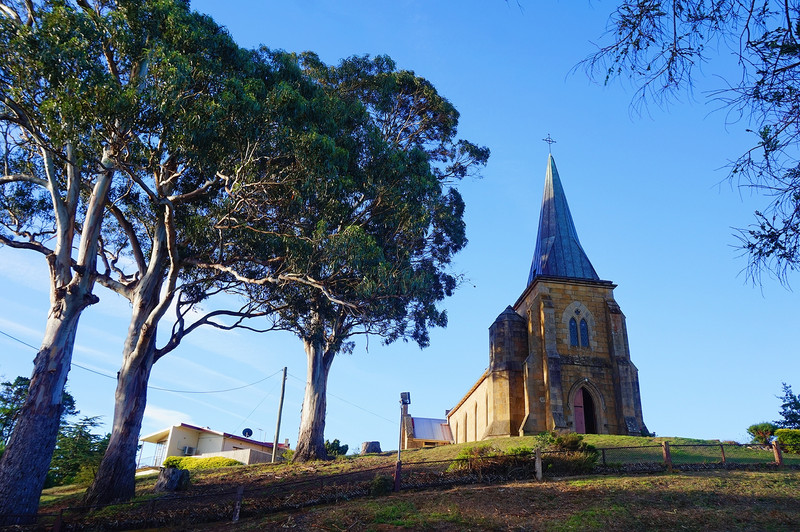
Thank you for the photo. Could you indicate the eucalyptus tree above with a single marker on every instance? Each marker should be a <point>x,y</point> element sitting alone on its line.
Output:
<point>66,119</point>
<point>662,46</point>
<point>130,113</point>
<point>368,215</point>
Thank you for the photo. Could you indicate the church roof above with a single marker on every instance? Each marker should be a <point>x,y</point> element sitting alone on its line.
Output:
<point>558,251</point>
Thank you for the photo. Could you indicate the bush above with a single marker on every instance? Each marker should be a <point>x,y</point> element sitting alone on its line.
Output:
<point>789,439</point>
<point>191,463</point>
<point>762,432</point>
<point>572,442</point>
<point>381,485</point>
<point>288,454</point>
<point>522,451</point>
<point>574,455</point>
<point>334,448</point>
<point>474,458</point>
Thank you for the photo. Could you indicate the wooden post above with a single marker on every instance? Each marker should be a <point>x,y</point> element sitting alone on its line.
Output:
<point>278,424</point>
<point>722,449</point>
<point>538,464</point>
<point>776,449</point>
<point>237,506</point>
<point>59,521</point>
<point>667,455</point>
<point>397,470</point>
<point>603,454</point>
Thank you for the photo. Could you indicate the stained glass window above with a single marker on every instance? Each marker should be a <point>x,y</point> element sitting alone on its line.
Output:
<point>573,332</point>
<point>584,334</point>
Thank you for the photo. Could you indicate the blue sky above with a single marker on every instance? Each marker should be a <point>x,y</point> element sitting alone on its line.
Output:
<point>648,195</point>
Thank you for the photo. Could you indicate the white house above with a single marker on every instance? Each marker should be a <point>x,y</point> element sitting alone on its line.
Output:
<point>188,440</point>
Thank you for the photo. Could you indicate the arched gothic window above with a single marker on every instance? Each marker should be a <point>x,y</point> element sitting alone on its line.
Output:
<point>573,331</point>
<point>584,334</point>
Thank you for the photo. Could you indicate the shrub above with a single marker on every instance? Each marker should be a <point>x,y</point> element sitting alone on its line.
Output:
<point>522,451</point>
<point>762,432</point>
<point>574,455</point>
<point>288,454</point>
<point>381,485</point>
<point>473,458</point>
<point>571,442</point>
<point>789,439</point>
<point>334,448</point>
<point>191,463</point>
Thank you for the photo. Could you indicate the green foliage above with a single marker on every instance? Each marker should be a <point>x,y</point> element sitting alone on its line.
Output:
<point>571,442</point>
<point>288,454</point>
<point>77,454</point>
<point>790,409</point>
<point>381,485</point>
<point>334,448</point>
<point>521,451</point>
<point>12,397</point>
<point>762,432</point>
<point>789,439</point>
<point>192,463</point>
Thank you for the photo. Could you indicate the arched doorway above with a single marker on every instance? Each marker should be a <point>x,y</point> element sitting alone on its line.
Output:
<point>584,412</point>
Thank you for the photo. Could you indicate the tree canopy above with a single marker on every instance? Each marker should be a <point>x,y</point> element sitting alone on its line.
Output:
<point>790,409</point>
<point>360,204</point>
<point>662,46</point>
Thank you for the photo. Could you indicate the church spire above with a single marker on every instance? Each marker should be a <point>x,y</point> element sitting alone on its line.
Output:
<point>558,251</point>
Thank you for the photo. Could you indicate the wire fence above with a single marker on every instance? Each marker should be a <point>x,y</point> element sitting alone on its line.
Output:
<point>231,502</point>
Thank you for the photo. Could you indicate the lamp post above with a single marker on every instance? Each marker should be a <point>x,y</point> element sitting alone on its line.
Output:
<point>405,400</point>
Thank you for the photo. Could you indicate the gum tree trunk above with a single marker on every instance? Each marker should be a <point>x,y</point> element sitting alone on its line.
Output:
<point>116,475</point>
<point>311,439</point>
<point>24,464</point>
<point>115,479</point>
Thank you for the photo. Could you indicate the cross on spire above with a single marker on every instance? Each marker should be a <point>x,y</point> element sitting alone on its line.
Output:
<point>549,140</point>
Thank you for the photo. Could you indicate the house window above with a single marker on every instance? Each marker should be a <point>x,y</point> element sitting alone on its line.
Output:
<point>584,334</point>
<point>573,331</point>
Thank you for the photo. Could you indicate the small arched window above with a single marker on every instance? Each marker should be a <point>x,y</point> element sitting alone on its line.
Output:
<point>584,334</point>
<point>573,331</point>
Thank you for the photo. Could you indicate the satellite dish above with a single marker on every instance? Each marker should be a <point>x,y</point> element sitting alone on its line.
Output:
<point>247,433</point>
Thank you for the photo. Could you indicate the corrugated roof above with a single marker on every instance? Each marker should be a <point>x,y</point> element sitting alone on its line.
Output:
<point>558,251</point>
<point>431,429</point>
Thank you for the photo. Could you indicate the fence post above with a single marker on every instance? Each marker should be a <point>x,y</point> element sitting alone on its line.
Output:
<point>776,449</point>
<point>237,506</point>
<point>538,463</point>
<point>722,449</point>
<point>398,467</point>
<point>667,455</point>
<point>59,521</point>
<point>603,454</point>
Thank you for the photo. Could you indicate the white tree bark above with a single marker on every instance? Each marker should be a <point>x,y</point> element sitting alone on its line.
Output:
<point>26,459</point>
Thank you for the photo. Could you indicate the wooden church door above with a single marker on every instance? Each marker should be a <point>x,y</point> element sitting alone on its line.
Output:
<point>577,412</point>
<point>583,412</point>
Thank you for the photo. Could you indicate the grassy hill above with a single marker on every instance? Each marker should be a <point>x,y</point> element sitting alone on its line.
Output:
<point>712,500</point>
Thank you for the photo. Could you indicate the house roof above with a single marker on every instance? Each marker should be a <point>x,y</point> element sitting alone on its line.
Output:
<point>162,435</point>
<point>424,428</point>
<point>558,251</point>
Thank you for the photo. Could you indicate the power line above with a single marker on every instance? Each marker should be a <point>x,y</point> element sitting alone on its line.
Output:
<point>149,385</point>
<point>350,403</point>
<point>20,341</point>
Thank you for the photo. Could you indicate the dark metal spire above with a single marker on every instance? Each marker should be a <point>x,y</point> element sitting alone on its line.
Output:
<point>558,251</point>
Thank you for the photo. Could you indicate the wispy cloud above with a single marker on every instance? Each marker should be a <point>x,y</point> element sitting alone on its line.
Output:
<point>164,417</point>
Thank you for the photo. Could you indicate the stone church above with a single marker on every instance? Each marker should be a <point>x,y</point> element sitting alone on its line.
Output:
<point>559,357</point>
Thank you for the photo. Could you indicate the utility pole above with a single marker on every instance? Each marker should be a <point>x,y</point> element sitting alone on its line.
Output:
<point>405,400</point>
<point>280,410</point>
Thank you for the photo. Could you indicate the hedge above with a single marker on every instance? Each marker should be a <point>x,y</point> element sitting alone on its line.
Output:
<point>789,439</point>
<point>192,463</point>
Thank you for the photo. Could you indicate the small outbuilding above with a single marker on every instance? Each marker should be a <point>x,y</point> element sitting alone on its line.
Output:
<point>419,432</point>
